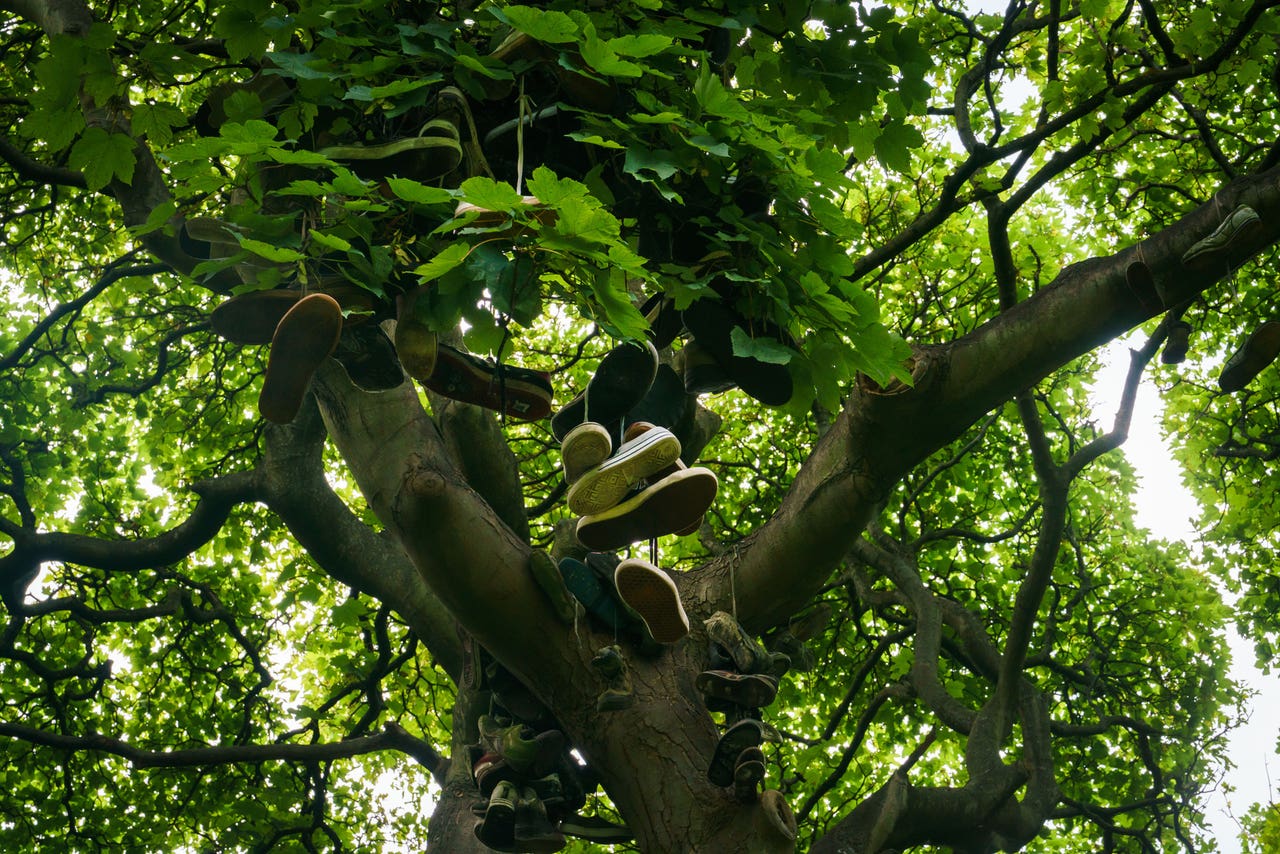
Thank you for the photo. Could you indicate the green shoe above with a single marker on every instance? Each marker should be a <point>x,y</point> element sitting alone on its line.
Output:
<point>547,576</point>
<point>1240,226</point>
<point>434,152</point>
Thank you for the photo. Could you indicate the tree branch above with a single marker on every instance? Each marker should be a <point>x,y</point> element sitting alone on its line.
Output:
<point>393,737</point>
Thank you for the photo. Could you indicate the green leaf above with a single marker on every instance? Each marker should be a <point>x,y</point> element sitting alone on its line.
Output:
<point>641,45</point>
<point>158,218</point>
<point>157,121</point>
<point>56,128</point>
<point>102,156</point>
<point>281,254</point>
<point>418,193</point>
<point>302,66</point>
<point>490,194</point>
<point>448,258</point>
<point>663,164</point>
<point>601,57</point>
<point>761,349</point>
<point>544,25</point>
<point>715,99</point>
<point>594,139</point>
<point>329,241</point>
<point>390,90</point>
<point>893,146</point>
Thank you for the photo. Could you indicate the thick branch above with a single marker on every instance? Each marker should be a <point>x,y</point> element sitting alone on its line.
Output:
<point>34,170</point>
<point>217,498</point>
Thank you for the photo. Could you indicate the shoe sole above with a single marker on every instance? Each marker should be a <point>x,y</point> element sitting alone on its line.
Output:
<point>750,691</point>
<point>304,338</point>
<point>737,738</point>
<point>746,653</point>
<point>584,447</point>
<point>675,503</point>
<point>252,318</point>
<point>620,382</point>
<point>748,774</point>
<point>369,358</point>
<point>652,594</point>
<point>608,483</point>
<point>521,393</point>
<point>1258,353</point>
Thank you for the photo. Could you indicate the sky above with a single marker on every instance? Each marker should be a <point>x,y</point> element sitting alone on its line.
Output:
<point>1166,508</point>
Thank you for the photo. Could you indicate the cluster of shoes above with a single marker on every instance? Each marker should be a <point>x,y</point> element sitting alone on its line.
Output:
<point>531,785</point>
<point>1221,250</point>
<point>742,679</point>
<point>331,308</point>
<point>630,485</point>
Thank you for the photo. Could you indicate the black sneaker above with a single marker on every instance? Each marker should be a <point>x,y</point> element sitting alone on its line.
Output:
<point>621,381</point>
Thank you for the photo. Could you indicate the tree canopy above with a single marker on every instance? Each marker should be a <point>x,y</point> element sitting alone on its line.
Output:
<point>230,632</point>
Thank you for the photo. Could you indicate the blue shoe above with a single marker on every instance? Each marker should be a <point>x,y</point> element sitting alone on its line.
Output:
<point>587,587</point>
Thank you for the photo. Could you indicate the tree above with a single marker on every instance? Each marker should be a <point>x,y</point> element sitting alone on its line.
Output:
<point>225,633</point>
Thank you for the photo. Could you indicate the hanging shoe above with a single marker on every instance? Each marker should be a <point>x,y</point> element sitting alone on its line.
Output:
<point>737,738</point>
<point>674,504</point>
<point>490,770</point>
<point>613,666</point>
<point>369,358</point>
<point>433,153</point>
<point>620,382</point>
<point>605,485</point>
<point>653,596</point>
<point>747,654</point>
<point>711,323</point>
<point>702,373</point>
<point>1240,226</point>
<point>549,580</point>
<point>1138,276</point>
<point>666,404</point>
<point>588,589</point>
<point>497,828</point>
<point>748,690</point>
<point>533,831</point>
<point>1176,344</point>
<point>252,318</point>
<point>748,774</point>
<point>596,829</point>
<point>211,239</point>
<point>416,345</point>
<point>665,323</point>
<point>520,393</point>
<point>305,337</point>
<point>584,447</point>
<point>1258,352</point>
